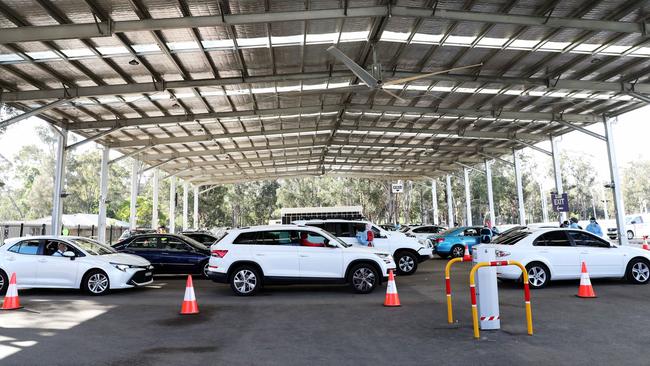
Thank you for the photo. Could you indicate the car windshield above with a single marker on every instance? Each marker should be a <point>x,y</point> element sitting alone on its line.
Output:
<point>512,237</point>
<point>193,242</point>
<point>92,247</point>
<point>451,231</point>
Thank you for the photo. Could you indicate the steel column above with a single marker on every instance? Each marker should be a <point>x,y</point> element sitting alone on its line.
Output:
<point>196,208</point>
<point>450,207</point>
<point>520,189</point>
<point>542,197</point>
<point>103,196</point>
<point>155,188</point>
<point>619,205</point>
<point>557,173</point>
<point>434,201</point>
<point>468,198</point>
<point>59,183</point>
<point>185,205</point>
<point>172,205</point>
<point>134,195</point>
<point>490,193</point>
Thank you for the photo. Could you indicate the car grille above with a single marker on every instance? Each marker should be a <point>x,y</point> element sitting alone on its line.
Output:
<point>141,277</point>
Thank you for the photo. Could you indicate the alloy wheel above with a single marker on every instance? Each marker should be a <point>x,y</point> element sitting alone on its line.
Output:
<point>205,270</point>
<point>458,252</point>
<point>536,276</point>
<point>97,283</point>
<point>2,283</point>
<point>406,263</point>
<point>363,279</point>
<point>245,281</point>
<point>640,271</point>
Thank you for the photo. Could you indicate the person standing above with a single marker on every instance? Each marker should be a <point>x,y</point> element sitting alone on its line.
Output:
<point>594,227</point>
<point>574,224</point>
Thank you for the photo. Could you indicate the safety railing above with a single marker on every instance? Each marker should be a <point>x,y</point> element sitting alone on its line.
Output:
<point>472,289</point>
<point>450,311</point>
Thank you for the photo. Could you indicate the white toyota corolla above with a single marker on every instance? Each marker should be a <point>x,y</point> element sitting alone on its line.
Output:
<point>70,262</point>
<point>557,254</point>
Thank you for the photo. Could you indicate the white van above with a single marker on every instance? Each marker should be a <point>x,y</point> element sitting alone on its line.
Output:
<point>407,251</point>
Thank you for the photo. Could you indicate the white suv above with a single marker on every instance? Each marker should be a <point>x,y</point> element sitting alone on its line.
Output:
<point>247,258</point>
<point>407,251</point>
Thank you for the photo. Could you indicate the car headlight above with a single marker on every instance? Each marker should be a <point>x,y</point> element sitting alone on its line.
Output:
<point>121,267</point>
<point>387,258</point>
<point>501,253</point>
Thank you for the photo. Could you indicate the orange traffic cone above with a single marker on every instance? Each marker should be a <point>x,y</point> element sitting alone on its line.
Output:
<point>392,298</point>
<point>585,289</point>
<point>190,306</point>
<point>467,257</point>
<point>645,243</point>
<point>11,298</point>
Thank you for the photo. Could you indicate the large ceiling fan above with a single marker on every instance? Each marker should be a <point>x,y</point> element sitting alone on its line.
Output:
<point>374,80</point>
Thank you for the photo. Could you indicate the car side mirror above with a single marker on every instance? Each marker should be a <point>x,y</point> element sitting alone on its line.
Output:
<point>69,254</point>
<point>633,222</point>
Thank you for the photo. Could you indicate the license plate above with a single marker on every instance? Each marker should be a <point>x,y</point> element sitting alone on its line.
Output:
<point>148,274</point>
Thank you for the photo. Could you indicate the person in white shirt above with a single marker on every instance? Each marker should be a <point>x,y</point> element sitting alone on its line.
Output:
<point>62,248</point>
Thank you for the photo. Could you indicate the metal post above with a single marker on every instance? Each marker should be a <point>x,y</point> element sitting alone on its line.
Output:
<point>434,201</point>
<point>134,195</point>
<point>185,205</point>
<point>542,196</point>
<point>490,193</point>
<point>450,208</point>
<point>103,193</point>
<point>520,189</point>
<point>154,199</point>
<point>558,173</point>
<point>619,205</point>
<point>605,211</point>
<point>468,199</point>
<point>196,208</point>
<point>59,182</point>
<point>172,205</point>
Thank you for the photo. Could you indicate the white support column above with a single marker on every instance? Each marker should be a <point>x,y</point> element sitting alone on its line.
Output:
<point>605,211</point>
<point>490,193</point>
<point>520,189</point>
<point>450,207</point>
<point>103,195</point>
<point>558,173</point>
<point>468,198</point>
<point>196,208</point>
<point>59,183</point>
<point>186,188</point>
<point>154,199</point>
<point>134,195</point>
<point>542,197</point>
<point>434,201</point>
<point>619,205</point>
<point>172,205</point>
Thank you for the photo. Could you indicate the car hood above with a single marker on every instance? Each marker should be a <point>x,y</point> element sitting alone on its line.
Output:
<point>124,258</point>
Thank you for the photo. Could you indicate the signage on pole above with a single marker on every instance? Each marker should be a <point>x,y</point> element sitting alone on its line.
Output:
<point>560,203</point>
<point>398,187</point>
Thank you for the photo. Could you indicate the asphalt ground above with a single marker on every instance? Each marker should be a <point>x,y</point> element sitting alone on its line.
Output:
<point>327,325</point>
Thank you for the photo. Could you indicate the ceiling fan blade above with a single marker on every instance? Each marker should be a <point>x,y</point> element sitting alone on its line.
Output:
<point>417,77</point>
<point>394,95</point>
<point>359,71</point>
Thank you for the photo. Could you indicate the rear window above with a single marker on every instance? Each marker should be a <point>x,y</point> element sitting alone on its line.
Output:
<point>511,237</point>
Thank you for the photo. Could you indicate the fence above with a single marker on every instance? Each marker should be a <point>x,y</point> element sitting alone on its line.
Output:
<point>15,230</point>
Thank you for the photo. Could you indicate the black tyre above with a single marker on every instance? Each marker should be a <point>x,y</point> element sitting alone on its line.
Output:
<point>96,283</point>
<point>638,271</point>
<point>538,275</point>
<point>4,282</point>
<point>204,269</point>
<point>245,281</point>
<point>630,235</point>
<point>457,251</point>
<point>406,262</point>
<point>363,278</point>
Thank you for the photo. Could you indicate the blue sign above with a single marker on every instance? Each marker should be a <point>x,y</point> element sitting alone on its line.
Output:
<point>561,203</point>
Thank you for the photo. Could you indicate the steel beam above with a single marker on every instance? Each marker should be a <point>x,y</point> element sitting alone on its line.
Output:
<point>135,152</point>
<point>186,222</point>
<point>450,207</point>
<point>172,205</point>
<point>195,216</point>
<point>520,189</point>
<point>434,201</point>
<point>557,173</point>
<point>490,194</point>
<point>103,197</point>
<point>59,184</point>
<point>468,198</point>
<point>154,199</point>
<point>134,195</point>
<point>616,186</point>
<point>32,113</point>
<point>92,138</point>
<point>583,130</point>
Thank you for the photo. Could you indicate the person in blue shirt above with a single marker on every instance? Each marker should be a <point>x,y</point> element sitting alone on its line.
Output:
<point>594,227</point>
<point>574,224</point>
<point>362,235</point>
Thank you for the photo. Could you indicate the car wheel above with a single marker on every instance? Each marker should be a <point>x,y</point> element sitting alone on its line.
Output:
<point>96,283</point>
<point>630,235</point>
<point>406,263</point>
<point>205,269</point>
<point>245,281</point>
<point>363,278</point>
<point>4,282</point>
<point>638,271</point>
<point>538,275</point>
<point>457,251</point>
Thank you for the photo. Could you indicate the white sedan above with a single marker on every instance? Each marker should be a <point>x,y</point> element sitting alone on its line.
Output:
<point>70,262</point>
<point>557,254</point>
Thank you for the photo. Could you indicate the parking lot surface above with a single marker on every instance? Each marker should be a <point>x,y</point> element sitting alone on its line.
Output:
<point>326,325</point>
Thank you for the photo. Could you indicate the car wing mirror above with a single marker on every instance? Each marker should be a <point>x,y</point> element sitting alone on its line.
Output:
<point>69,254</point>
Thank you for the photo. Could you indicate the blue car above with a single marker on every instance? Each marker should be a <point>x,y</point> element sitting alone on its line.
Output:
<point>168,253</point>
<point>452,242</point>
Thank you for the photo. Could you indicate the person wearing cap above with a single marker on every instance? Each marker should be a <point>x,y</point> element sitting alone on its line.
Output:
<point>574,223</point>
<point>594,227</point>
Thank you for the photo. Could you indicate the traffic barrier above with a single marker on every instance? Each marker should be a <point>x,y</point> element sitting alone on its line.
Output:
<point>450,311</point>
<point>392,298</point>
<point>645,243</point>
<point>11,302</point>
<point>585,290</point>
<point>467,257</point>
<point>472,290</point>
<point>190,306</point>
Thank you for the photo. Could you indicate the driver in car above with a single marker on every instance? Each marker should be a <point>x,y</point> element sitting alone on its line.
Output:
<point>62,248</point>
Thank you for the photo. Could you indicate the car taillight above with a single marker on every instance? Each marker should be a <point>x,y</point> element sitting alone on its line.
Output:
<point>219,253</point>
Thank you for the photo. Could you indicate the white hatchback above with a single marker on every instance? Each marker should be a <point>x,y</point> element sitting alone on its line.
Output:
<point>557,254</point>
<point>247,258</point>
<point>70,262</point>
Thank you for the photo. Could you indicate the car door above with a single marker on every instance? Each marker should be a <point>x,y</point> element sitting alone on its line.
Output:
<point>22,259</point>
<point>381,240</point>
<point>275,251</point>
<point>558,250</point>
<point>602,259</point>
<point>147,248</point>
<point>176,256</point>
<point>317,259</point>
<point>470,236</point>
<point>57,271</point>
